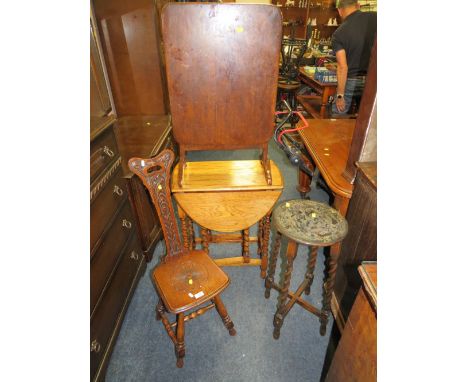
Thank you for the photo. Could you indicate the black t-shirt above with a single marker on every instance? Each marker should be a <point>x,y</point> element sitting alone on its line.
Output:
<point>356,37</point>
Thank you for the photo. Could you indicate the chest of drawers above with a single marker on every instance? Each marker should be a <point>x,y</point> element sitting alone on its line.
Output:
<point>117,260</point>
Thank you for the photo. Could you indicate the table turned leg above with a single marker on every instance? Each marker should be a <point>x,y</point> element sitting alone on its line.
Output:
<point>245,245</point>
<point>180,344</point>
<point>191,233</point>
<point>204,240</point>
<point>270,279</point>
<point>281,311</point>
<point>327,291</point>
<point>260,237</point>
<point>221,309</point>
<point>304,183</point>
<point>266,241</point>
<point>185,232</point>
<point>310,269</point>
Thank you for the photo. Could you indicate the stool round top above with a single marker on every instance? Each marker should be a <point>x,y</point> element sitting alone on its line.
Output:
<point>309,222</point>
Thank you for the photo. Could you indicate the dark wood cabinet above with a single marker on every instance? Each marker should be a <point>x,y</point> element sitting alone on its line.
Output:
<point>117,260</point>
<point>355,358</point>
<point>361,242</point>
<point>129,117</point>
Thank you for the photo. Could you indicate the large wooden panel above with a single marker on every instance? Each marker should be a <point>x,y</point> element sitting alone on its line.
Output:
<point>222,73</point>
<point>356,356</point>
<point>130,39</point>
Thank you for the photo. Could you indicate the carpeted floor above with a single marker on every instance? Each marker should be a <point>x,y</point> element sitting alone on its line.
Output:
<point>144,352</point>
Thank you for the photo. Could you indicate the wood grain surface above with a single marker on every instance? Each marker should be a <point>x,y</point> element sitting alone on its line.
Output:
<point>222,73</point>
<point>226,176</point>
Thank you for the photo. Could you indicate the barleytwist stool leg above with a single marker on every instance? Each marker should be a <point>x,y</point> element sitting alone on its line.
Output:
<point>327,293</point>
<point>280,312</point>
<point>270,279</point>
<point>310,269</point>
<point>266,240</point>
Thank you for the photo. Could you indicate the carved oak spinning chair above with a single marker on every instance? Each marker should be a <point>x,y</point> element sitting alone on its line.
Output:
<point>185,279</point>
<point>222,72</point>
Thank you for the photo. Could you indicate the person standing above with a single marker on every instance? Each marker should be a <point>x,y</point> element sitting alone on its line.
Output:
<point>352,44</point>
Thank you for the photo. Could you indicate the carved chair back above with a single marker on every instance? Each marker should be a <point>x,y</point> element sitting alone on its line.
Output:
<point>155,175</point>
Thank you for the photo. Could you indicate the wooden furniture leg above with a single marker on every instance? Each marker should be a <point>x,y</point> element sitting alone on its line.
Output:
<point>180,344</point>
<point>291,253</point>
<point>310,269</point>
<point>159,310</point>
<point>266,241</point>
<point>205,240</point>
<point>245,245</point>
<point>185,234</point>
<point>270,279</point>
<point>221,309</point>
<point>260,237</point>
<point>304,183</point>
<point>191,233</point>
<point>327,291</point>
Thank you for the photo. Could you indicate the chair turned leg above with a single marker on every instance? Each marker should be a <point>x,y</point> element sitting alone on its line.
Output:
<point>224,315</point>
<point>266,240</point>
<point>180,344</point>
<point>327,293</point>
<point>159,310</point>
<point>310,269</point>
<point>270,279</point>
<point>280,312</point>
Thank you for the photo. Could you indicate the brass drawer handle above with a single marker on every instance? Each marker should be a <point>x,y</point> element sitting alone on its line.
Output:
<point>108,151</point>
<point>118,190</point>
<point>134,255</point>
<point>126,224</point>
<point>95,346</point>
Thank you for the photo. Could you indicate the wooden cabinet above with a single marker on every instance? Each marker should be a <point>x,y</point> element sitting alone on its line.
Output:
<point>117,260</point>
<point>131,43</point>
<point>143,137</point>
<point>356,356</point>
<point>361,242</point>
<point>100,104</point>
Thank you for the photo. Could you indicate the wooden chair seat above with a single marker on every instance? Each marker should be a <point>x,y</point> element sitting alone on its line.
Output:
<point>194,277</point>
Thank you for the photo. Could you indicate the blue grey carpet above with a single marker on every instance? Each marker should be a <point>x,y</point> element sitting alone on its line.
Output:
<point>144,352</point>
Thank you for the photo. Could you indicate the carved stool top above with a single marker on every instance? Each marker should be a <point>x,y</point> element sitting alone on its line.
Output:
<point>309,222</point>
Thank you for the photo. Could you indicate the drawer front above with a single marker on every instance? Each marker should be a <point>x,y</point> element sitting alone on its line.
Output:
<point>105,206</point>
<point>110,310</point>
<point>103,151</point>
<point>105,258</point>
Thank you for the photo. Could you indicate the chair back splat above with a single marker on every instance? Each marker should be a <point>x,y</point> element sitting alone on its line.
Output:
<point>155,174</point>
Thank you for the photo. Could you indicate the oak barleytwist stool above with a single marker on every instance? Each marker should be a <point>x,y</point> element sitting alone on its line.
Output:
<point>185,279</point>
<point>315,225</point>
